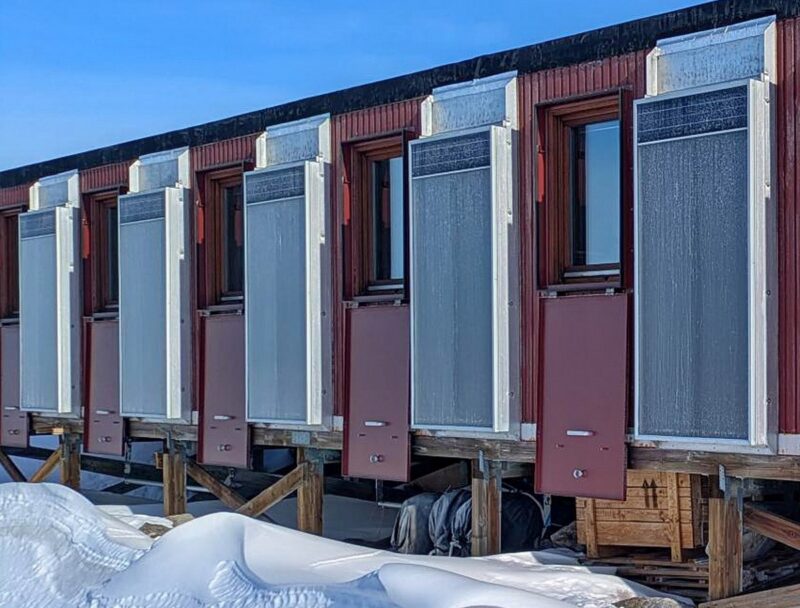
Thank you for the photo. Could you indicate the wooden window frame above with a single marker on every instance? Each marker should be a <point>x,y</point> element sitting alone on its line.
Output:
<point>358,155</point>
<point>210,237</point>
<point>94,241</point>
<point>555,122</point>
<point>9,263</point>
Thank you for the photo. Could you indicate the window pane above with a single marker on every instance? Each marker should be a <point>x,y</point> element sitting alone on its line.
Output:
<point>233,240</point>
<point>595,193</point>
<point>112,248</point>
<point>387,219</point>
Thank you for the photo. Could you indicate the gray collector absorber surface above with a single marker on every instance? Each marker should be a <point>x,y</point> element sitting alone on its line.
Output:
<point>692,256</point>
<point>451,262</point>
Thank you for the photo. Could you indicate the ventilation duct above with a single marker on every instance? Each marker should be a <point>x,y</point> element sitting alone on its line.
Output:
<point>705,242</point>
<point>463,260</point>
<point>50,298</point>
<point>287,297</point>
<point>154,316</point>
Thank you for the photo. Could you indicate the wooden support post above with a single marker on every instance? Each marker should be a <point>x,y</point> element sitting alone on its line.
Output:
<point>227,496</point>
<point>48,466</point>
<point>590,526</point>
<point>174,472</point>
<point>725,544</point>
<point>275,493</point>
<point>13,471</point>
<point>487,480</point>
<point>674,506</point>
<point>311,491</point>
<point>71,461</point>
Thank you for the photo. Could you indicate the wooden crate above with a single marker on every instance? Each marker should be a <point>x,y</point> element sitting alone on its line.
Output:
<point>662,510</point>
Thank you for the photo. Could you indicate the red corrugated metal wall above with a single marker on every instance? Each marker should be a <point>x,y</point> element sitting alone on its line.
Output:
<point>107,176</point>
<point>548,85</point>
<point>11,197</point>
<point>344,127</point>
<point>224,152</point>
<point>789,222</point>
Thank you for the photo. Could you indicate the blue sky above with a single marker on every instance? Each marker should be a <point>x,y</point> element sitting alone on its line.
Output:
<point>79,74</point>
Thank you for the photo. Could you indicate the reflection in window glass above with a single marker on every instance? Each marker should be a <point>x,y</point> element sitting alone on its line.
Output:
<point>595,177</point>
<point>112,249</point>
<point>387,220</point>
<point>232,241</point>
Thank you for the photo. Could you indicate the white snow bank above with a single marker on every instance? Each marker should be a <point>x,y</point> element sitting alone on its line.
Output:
<point>58,550</point>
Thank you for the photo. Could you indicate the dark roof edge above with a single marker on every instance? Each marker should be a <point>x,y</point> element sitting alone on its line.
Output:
<point>588,46</point>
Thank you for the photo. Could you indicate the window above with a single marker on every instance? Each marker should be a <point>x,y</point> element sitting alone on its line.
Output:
<point>9,297</point>
<point>221,235</point>
<point>100,245</point>
<point>376,217</point>
<point>580,193</point>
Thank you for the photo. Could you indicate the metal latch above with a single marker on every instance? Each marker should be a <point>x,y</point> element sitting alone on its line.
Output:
<point>578,433</point>
<point>374,423</point>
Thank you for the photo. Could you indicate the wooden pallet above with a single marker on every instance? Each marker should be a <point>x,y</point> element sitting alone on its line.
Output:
<point>662,510</point>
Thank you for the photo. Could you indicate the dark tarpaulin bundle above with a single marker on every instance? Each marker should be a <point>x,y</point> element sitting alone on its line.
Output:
<point>410,534</point>
<point>440,523</point>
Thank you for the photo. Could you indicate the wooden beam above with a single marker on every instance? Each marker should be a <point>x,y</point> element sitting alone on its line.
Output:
<point>274,493</point>
<point>311,492</point>
<point>772,526</point>
<point>8,465</point>
<point>724,547</point>
<point>674,510</point>
<point>48,466</point>
<point>590,529</point>
<point>487,492</point>
<point>174,475</point>
<point>470,448</point>
<point>784,597</point>
<point>229,497</point>
<point>71,461</point>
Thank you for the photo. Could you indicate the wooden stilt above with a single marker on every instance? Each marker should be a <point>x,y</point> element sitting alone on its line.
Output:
<point>8,465</point>
<point>311,491</point>
<point>48,466</point>
<point>229,497</point>
<point>590,524</point>
<point>71,461</point>
<point>674,507</point>
<point>275,493</point>
<point>174,472</point>
<point>486,506</point>
<point>724,545</point>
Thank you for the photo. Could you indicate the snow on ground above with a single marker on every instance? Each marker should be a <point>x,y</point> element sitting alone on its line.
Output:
<point>57,550</point>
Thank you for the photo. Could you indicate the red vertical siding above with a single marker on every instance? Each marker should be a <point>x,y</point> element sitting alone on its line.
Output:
<point>362,123</point>
<point>226,152</point>
<point>788,89</point>
<point>18,195</point>
<point>106,176</point>
<point>548,85</point>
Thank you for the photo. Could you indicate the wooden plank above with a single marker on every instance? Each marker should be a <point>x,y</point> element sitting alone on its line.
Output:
<point>8,465</point>
<point>310,494</point>
<point>640,502</point>
<point>174,475</point>
<point>772,526</point>
<point>785,597</point>
<point>229,497</point>
<point>724,547</point>
<point>592,547</point>
<point>632,534</point>
<point>675,536</point>
<point>274,493</point>
<point>745,466</point>
<point>486,507</point>
<point>48,466</point>
<point>71,461</point>
<point>470,448</point>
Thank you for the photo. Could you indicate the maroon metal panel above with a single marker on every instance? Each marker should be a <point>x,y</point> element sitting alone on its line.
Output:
<point>377,437</point>
<point>581,447</point>
<point>13,423</point>
<point>104,431</point>
<point>17,195</point>
<point>534,88</point>
<point>224,436</point>
<point>361,123</point>
<point>106,176</point>
<point>788,148</point>
<point>224,152</point>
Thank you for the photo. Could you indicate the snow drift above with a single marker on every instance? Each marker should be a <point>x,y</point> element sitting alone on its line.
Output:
<point>58,550</point>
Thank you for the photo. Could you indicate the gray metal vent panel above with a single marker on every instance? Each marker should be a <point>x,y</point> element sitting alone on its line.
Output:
<point>280,184</point>
<point>141,207</point>
<point>457,153</point>
<point>692,288</point>
<point>33,224</point>
<point>688,115</point>
<point>275,290</point>
<point>451,308</point>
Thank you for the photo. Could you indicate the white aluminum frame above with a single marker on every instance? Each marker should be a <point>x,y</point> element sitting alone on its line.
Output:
<point>180,156</point>
<point>178,335</point>
<point>319,378</point>
<point>762,292</point>
<point>505,314</point>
